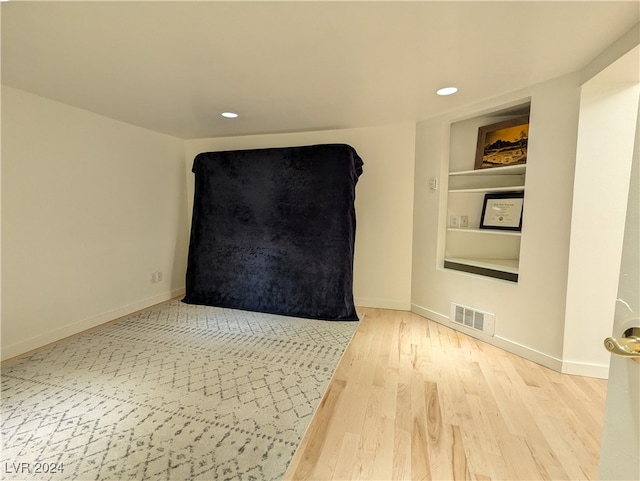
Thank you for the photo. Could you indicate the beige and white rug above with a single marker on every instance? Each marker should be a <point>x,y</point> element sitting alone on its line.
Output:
<point>176,392</point>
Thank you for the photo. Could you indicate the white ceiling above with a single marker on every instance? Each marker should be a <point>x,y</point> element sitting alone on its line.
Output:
<point>293,66</point>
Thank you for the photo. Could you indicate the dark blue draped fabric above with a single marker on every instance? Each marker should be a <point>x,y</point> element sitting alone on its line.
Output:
<point>273,230</point>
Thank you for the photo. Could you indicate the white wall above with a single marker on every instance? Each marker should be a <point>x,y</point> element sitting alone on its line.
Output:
<point>90,208</point>
<point>530,313</point>
<point>561,309</point>
<point>0,204</point>
<point>384,202</point>
<point>608,116</point>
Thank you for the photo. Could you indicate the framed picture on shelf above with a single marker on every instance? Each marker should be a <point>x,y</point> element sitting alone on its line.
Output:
<point>503,143</point>
<point>502,211</point>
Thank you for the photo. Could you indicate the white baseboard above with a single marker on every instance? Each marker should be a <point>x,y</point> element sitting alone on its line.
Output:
<point>506,344</point>
<point>583,369</point>
<point>559,365</point>
<point>382,304</point>
<point>429,314</point>
<point>54,335</point>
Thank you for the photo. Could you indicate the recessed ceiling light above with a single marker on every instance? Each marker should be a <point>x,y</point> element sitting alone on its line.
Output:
<point>229,115</point>
<point>447,91</point>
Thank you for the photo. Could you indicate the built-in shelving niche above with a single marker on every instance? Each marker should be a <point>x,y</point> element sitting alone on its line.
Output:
<point>469,249</point>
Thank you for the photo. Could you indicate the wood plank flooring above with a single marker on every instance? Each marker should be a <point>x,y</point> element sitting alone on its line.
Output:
<point>412,399</point>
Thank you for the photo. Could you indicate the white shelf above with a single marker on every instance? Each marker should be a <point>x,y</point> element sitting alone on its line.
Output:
<point>511,188</point>
<point>501,265</point>
<point>485,231</point>
<point>504,265</point>
<point>518,169</point>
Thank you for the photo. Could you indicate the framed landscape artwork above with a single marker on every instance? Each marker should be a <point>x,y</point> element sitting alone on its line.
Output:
<point>503,143</point>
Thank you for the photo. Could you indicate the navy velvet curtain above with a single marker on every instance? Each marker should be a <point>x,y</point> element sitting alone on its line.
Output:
<point>273,230</point>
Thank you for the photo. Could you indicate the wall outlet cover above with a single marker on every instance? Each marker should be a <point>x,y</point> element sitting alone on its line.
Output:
<point>464,221</point>
<point>454,221</point>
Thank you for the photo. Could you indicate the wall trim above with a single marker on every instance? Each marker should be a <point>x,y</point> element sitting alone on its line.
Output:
<point>506,344</point>
<point>600,371</point>
<point>55,335</point>
<point>382,304</point>
<point>429,314</point>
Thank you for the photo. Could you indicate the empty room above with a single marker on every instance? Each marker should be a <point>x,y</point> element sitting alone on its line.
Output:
<point>320,240</point>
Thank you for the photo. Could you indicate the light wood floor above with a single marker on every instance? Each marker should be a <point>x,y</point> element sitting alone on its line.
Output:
<point>412,399</point>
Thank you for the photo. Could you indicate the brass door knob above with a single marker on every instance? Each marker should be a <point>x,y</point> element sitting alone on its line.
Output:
<point>626,346</point>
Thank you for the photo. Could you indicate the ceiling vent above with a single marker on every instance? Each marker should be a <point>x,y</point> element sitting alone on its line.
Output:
<point>482,321</point>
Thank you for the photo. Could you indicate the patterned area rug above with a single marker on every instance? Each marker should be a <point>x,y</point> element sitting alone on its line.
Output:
<point>177,392</point>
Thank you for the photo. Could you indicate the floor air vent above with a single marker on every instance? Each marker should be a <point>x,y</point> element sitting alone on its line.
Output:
<point>473,318</point>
